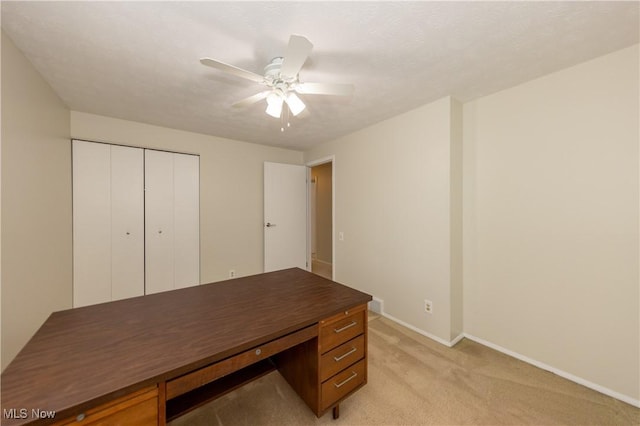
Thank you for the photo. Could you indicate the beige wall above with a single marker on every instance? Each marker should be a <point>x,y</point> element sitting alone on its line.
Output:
<point>36,201</point>
<point>551,221</point>
<point>392,195</point>
<point>548,198</point>
<point>231,187</point>
<point>324,209</point>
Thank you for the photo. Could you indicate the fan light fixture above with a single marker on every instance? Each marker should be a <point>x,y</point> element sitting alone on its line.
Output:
<point>295,103</point>
<point>276,99</point>
<point>274,105</point>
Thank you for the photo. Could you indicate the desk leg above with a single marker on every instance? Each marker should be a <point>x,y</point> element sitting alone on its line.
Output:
<point>336,411</point>
<point>162,403</point>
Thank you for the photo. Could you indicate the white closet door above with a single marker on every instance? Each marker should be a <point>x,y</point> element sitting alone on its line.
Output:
<point>172,212</point>
<point>186,180</point>
<point>127,222</point>
<point>159,211</point>
<point>91,223</point>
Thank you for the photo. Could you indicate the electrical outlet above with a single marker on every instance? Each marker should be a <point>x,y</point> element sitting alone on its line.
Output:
<point>232,273</point>
<point>428,306</point>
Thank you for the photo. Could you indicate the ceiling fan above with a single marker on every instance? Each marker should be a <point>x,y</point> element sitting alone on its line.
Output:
<point>282,81</point>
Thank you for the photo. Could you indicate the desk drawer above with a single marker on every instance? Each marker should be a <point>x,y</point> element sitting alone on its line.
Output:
<point>341,384</point>
<point>341,357</point>
<point>139,408</point>
<point>341,328</point>
<point>208,374</point>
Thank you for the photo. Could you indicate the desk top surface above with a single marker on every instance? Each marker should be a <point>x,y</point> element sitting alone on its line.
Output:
<point>85,356</point>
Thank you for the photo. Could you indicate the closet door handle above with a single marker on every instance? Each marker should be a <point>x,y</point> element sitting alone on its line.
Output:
<point>270,225</point>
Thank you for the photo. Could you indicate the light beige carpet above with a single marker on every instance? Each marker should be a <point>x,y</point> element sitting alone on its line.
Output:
<point>415,381</point>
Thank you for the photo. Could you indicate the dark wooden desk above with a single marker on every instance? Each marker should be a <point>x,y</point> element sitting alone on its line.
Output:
<point>144,359</point>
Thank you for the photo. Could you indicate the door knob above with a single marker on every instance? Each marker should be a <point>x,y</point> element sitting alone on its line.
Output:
<point>269,224</point>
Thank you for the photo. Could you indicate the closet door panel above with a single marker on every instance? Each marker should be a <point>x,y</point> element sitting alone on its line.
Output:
<point>127,222</point>
<point>186,174</point>
<point>159,231</point>
<point>91,223</point>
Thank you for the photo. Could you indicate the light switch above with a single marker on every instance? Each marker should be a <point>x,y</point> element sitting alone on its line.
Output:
<point>341,236</point>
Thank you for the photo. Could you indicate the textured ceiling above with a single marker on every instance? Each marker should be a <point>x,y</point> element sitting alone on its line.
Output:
<point>140,60</point>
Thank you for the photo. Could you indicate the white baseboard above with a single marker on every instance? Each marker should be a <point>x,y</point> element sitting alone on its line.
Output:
<point>377,306</point>
<point>422,332</point>
<point>556,371</point>
<point>457,339</point>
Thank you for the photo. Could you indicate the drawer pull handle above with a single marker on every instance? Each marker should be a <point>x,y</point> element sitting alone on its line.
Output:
<point>340,330</point>
<point>351,377</point>
<point>341,357</point>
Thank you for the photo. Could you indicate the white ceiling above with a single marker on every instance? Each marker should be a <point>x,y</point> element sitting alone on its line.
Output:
<point>140,60</point>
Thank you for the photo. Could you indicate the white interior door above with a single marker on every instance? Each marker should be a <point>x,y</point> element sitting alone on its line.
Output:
<point>159,230</point>
<point>285,216</point>
<point>108,223</point>
<point>91,223</point>
<point>127,222</point>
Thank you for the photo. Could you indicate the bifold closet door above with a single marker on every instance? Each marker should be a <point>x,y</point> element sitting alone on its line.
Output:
<point>186,176</point>
<point>127,222</point>
<point>108,227</point>
<point>172,254</point>
<point>91,223</point>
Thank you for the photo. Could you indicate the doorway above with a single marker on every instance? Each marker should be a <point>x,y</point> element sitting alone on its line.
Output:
<point>321,218</point>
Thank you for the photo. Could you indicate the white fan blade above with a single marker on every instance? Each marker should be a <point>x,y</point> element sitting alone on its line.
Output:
<point>297,53</point>
<point>325,89</point>
<point>251,99</point>
<point>238,72</point>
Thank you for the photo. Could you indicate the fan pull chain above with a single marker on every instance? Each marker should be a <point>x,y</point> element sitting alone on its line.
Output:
<point>282,119</point>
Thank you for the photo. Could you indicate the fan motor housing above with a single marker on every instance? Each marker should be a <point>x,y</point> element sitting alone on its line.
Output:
<point>272,70</point>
